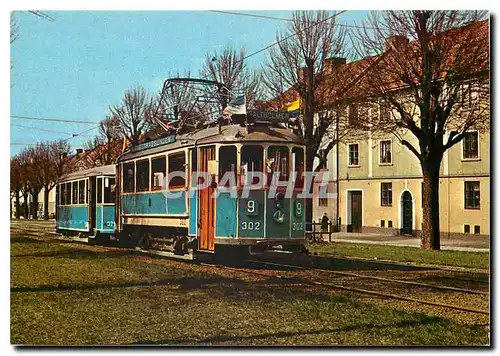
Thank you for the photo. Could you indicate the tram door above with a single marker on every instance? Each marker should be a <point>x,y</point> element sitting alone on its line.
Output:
<point>207,163</point>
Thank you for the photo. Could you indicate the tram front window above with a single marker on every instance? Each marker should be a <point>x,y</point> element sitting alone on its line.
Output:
<point>227,165</point>
<point>298,166</point>
<point>277,161</point>
<point>251,161</point>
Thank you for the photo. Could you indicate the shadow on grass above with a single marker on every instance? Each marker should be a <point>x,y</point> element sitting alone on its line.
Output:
<point>423,320</point>
<point>215,288</point>
<point>25,239</point>
<point>344,263</point>
<point>74,253</point>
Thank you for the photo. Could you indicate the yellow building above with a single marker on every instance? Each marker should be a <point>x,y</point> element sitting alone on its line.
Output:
<point>380,186</point>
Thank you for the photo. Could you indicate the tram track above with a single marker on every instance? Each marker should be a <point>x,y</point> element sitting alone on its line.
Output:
<point>323,284</point>
<point>337,286</point>
<point>384,279</point>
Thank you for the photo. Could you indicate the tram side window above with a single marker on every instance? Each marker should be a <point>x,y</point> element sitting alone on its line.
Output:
<point>227,164</point>
<point>251,161</point>
<point>74,195</point>
<point>298,165</point>
<point>68,193</point>
<point>62,193</point>
<point>109,190</point>
<point>99,191</point>
<point>128,177</point>
<point>158,168</point>
<point>176,163</point>
<point>142,176</point>
<point>194,164</point>
<point>81,192</point>
<point>277,161</point>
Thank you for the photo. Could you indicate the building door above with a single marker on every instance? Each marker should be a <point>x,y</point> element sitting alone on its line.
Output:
<point>407,212</point>
<point>356,211</point>
<point>207,202</point>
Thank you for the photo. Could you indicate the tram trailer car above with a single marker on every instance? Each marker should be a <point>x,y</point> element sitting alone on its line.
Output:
<point>85,203</point>
<point>187,222</point>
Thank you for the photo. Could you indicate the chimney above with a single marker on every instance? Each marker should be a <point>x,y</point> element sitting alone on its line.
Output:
<point>330,64</point>
<point>395,41</point>
<point>79,150</point>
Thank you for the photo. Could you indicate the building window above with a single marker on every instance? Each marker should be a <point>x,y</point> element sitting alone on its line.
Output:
<point>470,147</point>
<point>353,114</point>
<point>467,229</point>
<point>385,152</point>
<point>477,229</point>
<point>354,154</point>
<point>389,223</point>
<point>158,169</point>
<point>129,177</point>
<point>472,195</point>
<point>176,163</point>
<point>470,95</point>
<point>109,190</point>
<point>142,176</point>
<point>386,194</point>
<point>322,201</point>
<point>382,223</point>
<point>385,111</point>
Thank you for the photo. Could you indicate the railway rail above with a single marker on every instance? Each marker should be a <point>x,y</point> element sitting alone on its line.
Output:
<point>336,285</point>
<point>345,288</point>
<point>391,280</point>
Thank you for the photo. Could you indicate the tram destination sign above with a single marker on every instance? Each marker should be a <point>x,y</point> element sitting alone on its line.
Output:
<point>278,116</point>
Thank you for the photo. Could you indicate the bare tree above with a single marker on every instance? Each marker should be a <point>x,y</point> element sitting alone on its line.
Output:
<point>134,114</point>
<point>53,164</point>
<point>16,183</point>
<point>228,68</point>
<point>430,68</point>
<point>304,64</point>
<point>106,146</point>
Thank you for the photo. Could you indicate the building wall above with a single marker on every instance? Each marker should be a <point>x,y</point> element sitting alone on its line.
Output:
<point>405,174</point>
<point>453,214</point>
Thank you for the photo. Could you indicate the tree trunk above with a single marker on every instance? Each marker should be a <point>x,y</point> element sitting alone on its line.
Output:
<point>26,207</point>
<point>46,203</point>
<point>18,208</point>
<point>309,201</point>
<point>34,206</point>
<point>430,230</point>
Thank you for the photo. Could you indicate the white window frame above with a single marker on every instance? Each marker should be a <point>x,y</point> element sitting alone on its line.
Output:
<point>380,153</point>
<point>478,158</point>
<point>349,156</point>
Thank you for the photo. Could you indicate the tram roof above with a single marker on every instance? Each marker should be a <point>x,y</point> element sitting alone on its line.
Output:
<point>211,135</point>
<point>108,170</point>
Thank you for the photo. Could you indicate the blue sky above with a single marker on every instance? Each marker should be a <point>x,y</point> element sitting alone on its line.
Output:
<point>77,66</point>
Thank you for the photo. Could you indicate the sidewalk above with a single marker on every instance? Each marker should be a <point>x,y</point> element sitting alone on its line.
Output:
<point>472,243</point>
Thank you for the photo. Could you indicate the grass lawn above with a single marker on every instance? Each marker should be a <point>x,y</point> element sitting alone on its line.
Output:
<point>404,254</point>
<point>71,294</point>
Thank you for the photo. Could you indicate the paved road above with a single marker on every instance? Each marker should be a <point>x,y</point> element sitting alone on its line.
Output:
<point>471,243</point>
